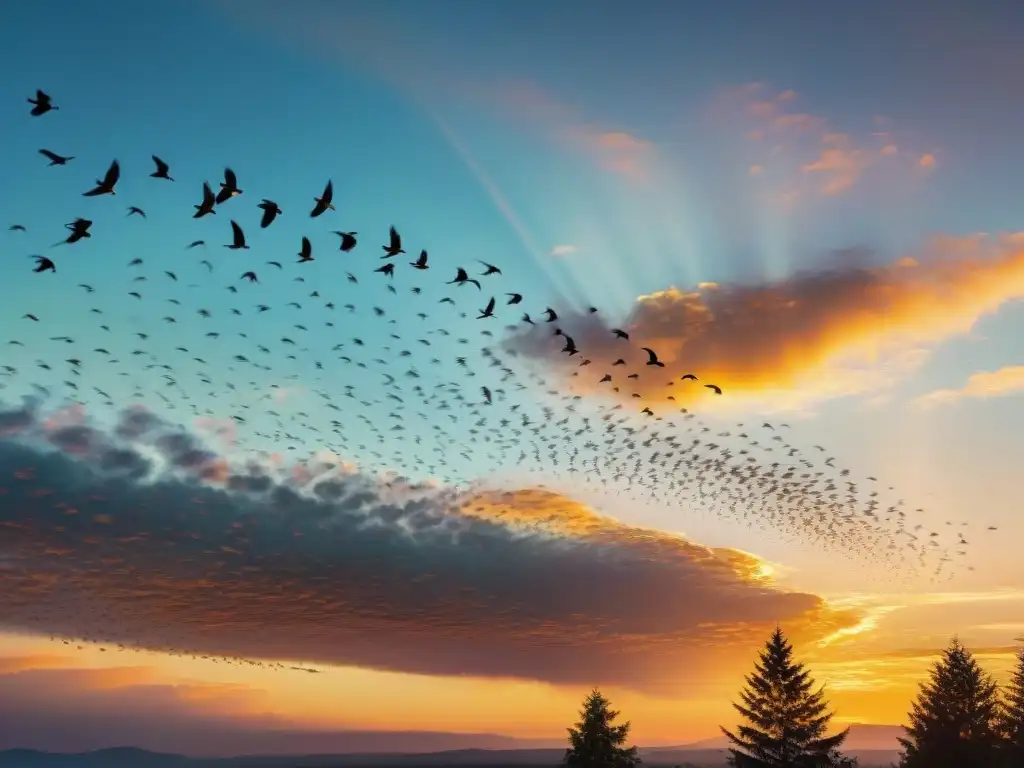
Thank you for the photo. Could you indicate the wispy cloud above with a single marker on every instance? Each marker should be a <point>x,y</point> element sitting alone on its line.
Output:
<point>999,383</point>
<point>563,250</point>
<point>142,534</point>
<point>800,153</point>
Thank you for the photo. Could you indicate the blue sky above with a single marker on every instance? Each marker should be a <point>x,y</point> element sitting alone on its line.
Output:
<point>406,107</point>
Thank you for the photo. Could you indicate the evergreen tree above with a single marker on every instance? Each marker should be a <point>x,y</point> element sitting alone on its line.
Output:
<point>786,718</point>
<point>1011,719</point>
<point>595,742</point>
<point>953,721</point>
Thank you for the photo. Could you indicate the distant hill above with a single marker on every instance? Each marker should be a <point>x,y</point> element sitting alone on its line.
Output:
<point>873,745</point>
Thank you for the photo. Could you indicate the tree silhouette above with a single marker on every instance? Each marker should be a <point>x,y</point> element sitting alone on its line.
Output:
<point>786,718</point>
<point>595,742</point>
<point>953,721</point>
<point>1011,718</point>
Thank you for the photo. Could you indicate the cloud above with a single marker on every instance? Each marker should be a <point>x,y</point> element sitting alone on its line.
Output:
<point>999,383</point>
<point>140,533</point>
<point>803,153</point>
<point>797,341</point>
<point>563,250</point>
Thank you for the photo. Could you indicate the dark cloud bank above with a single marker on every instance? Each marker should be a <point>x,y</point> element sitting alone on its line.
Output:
<point>139,533</point>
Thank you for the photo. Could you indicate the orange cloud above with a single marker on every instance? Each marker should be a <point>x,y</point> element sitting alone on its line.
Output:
<point>999,383</point>
<point>799,340</point>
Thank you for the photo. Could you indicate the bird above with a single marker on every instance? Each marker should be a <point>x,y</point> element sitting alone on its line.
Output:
<point>491,269</point>
<point>209,201</point>
<point>250,276</point>
<point>620,333</point>
<point>388,269</point>
<point>462,277</point>
<point>514,298</point>
<point>348,240</point>
<point>42,104</point>
<point>488,311</point>
<point>421,262</point>
<point>323,203</point>
<point>394,246</point>
<point>136,211</point>
<point>105,186</point>
<point>43,264</point>
<point>195,244</point>
<point>652,357</point>
<point>79,229</point>
<point>688,377</point>
<point>54,158</point>
<point>238,237</point>
<point>714,388</point>
<point>162,169</point>
<point>228,187</point>
<point>306,251</point>
<point>271,211</point>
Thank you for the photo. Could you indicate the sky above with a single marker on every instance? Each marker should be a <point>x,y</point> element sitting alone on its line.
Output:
<point>267,539</point>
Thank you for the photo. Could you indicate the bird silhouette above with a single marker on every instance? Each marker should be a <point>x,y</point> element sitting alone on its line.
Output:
<point>229,187</point>
<point>54,158</point>
<point>394,246</point>
<point>270,212</point>
<point>106,185</point>
<point>324,202</point>
<point>162,169</point>
<point>237,238</point>
<point>42,104</point>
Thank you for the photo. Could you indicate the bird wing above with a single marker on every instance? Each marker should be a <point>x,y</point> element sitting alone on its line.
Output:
<point>238,233</point>
<point>396,239</point>
<point>161,166</point>
<point>230,179</point>
<point>49,154</point>
<point>112,175</point>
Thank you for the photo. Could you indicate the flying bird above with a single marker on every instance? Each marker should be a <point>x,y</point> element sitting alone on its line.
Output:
<point>105,186</point>
<point>43,264</point>
<point>394,246</point>
<point>54,158</point>
<point>209,201</point>
<point>238,237</point>
<point>488,311</point>
<point>348,240</point>
<point>714,388</point>
<point>462,277</point>
<point>652,357</point>
<point>228,187</point>
<point>491,269</point>
<point>42,104</point>
<point>306,251</point>
<point>271,211</point>
<point>421,262</point>
<point>162,169</point>
<point>324,202</point>
<point>136,211</point>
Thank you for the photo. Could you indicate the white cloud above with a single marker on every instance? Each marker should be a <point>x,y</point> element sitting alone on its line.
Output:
<point>563,250</point>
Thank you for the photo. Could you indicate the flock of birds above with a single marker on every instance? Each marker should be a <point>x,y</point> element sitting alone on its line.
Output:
<point>441,395</point>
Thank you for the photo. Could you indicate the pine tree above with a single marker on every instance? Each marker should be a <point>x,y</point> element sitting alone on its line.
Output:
<point>953,721</point>
<point>595,742</point>
<point>786,718</point>
<point>1011,717</point>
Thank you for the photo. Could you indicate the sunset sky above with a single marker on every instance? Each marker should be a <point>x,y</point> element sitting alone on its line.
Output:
<point>816,208</point>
